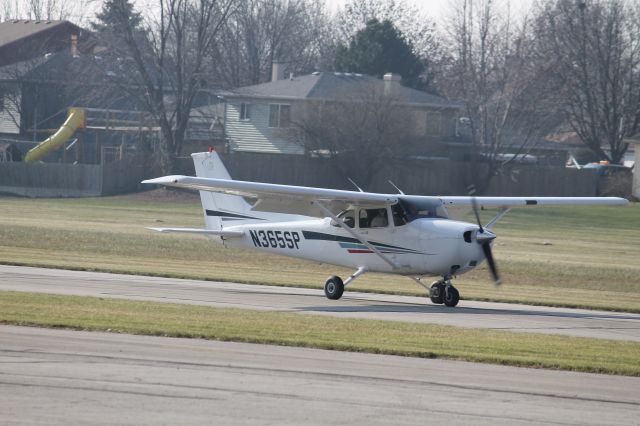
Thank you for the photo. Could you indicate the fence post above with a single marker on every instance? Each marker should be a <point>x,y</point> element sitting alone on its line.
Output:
<point>635,189</point>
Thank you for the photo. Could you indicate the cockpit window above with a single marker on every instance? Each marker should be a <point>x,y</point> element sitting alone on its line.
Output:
<point>413,209</point>
<point>348,217</point>
<point>373,218</point>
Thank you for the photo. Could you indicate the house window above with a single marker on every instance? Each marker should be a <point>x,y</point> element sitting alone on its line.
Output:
<point>279,115</point>
<point>434,123</point>
<point>245,111</point>
<point>419,123</point>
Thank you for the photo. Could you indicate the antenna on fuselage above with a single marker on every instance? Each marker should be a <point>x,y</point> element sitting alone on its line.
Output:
<point>397,189</point>
<point>355,184</point>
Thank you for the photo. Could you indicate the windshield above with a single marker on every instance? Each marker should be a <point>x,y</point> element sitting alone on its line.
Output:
<point>419,208</point>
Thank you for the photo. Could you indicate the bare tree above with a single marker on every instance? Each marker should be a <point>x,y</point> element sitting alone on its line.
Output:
<point>491,72</point>
<point>163,65</point>
<point>260,32</point>
<point>9,9</point>
<point>360,132</point>
<point>45,10</point>
<point>593,49</point>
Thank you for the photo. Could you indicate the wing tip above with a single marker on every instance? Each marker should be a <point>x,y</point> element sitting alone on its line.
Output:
<point>164,180</point>
<point>151,228</point>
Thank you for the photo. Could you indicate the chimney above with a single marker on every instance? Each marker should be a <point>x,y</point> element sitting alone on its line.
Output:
<point>277,71</point>
<point>391,84</point>
<point>74,45</point>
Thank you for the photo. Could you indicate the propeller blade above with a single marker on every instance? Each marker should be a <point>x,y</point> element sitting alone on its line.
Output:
<point>486,248</point>
<point>486,244</point>
<point>474,205</point>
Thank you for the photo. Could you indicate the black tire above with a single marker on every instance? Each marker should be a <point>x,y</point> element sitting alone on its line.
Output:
<point>333,288</point>
<point>451,296</point>
<point>437,293</point>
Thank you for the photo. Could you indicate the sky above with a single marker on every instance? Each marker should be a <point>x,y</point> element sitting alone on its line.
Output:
<point>436,9</point>
<point>87,8</point>
<point>431,7</point>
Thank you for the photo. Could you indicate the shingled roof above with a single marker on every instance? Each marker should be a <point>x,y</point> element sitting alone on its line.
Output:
<point>332,86</point>
<point>21,40</point>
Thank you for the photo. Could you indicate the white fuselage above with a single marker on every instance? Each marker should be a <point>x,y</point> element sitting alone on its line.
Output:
<point>428,246</point>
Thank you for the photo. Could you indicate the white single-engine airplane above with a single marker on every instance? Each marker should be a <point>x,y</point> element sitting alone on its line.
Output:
<point>391,233</point>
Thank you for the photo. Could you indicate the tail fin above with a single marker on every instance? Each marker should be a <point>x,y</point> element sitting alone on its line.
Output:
<point>216,206</point>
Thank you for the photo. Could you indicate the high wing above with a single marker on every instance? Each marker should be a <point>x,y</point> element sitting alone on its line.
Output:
<point>466,201</point>
<point>281,198</point>
<point>301,200</point>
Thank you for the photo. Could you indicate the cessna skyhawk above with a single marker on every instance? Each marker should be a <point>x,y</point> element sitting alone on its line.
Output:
<point>368,232</point>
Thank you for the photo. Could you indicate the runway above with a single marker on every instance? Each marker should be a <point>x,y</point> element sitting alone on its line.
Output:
<point>67,377</point>
<point>497,316</point>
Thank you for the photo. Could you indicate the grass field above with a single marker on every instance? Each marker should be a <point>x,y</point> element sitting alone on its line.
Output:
<point>388,337</point>
<point>577,256</point>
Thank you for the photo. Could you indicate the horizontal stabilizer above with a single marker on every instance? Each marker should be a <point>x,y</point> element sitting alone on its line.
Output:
<point>228,234</point>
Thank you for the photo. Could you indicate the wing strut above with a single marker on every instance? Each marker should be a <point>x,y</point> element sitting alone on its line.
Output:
<point>495,220</point>
<point>420,283</point>
<point>356,235</point>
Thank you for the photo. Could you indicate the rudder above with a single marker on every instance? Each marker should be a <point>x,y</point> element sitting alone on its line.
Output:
<point>214,205</point>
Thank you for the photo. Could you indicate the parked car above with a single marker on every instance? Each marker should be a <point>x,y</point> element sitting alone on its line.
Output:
<point>604,168</point>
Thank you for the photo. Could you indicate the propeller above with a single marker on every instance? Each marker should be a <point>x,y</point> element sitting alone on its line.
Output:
<point>484,238</point>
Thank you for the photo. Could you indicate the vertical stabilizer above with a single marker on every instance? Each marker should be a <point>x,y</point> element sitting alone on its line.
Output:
<point>216,206</point>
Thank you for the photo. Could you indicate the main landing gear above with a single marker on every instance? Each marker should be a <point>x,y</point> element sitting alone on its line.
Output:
<point>444,292</point>
<point>440,292</point>
<point>334,287</point>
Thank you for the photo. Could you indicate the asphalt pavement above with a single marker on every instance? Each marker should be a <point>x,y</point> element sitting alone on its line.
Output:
<point>496,316</point>
<point>63,377</point>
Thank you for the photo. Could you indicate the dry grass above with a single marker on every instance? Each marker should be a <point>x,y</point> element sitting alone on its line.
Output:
<point>581,257</point>
<point>388,337</point>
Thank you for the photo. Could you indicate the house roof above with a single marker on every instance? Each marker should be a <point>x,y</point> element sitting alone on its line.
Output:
<point>25,39</point>
<point>334,86</point>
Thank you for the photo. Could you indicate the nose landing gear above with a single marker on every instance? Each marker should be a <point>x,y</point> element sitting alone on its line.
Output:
<point>443,292</point>
<point>436,293</point>
<point>451,296</point>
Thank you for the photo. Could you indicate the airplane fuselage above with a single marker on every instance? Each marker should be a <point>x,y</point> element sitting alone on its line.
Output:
<point>422,247</point>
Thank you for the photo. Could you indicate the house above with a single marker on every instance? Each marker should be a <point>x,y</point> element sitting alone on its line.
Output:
<point>54,68</point>
<point>24,46</point>
<point>257,118</point>
<point>58,66</point>
<point>21,40</point>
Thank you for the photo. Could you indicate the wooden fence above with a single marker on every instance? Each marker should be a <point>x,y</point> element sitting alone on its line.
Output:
<point>71,180</point>
<point>413,177</point>
<point>441,177</point>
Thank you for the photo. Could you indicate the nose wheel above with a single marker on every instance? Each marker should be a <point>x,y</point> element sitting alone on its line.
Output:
<point>442,292</point>
<point>451,296</point>
<point>436,293</point>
